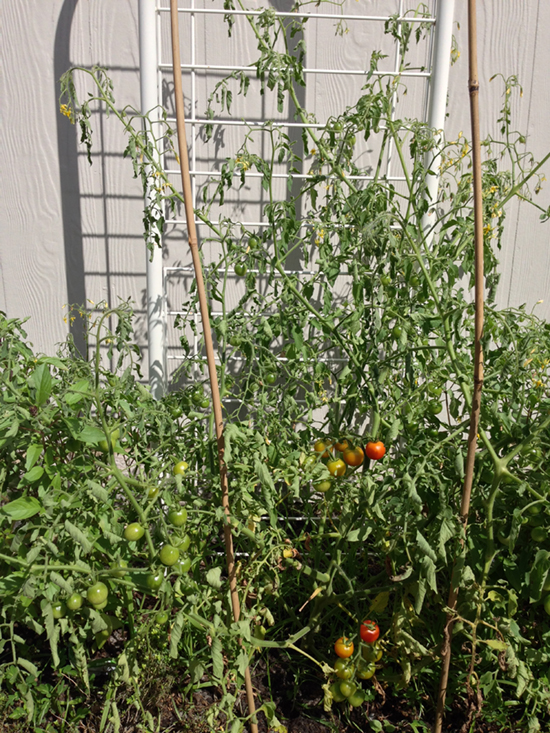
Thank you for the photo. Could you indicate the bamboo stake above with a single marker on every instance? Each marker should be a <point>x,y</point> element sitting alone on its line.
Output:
<point>473,87</point>
<point>216,402</point>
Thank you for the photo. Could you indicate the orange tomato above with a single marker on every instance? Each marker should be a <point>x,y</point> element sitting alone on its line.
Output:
<point>354,456</point>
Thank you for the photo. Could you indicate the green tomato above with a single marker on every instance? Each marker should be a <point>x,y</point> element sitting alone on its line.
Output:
<point>180,468</point>
<point>385,280</point>
<point>118,569</point>
<point>178,517</point>
<point>152,493</point>
<point>347,688</point>
<point>357,699</point>
<point>97,594</point>
<point>253,242</point>
<point>74,602</point>
<point>396,332</point>
<point>169,555</point>
<point>435,407</point>
<point>365,669</point>
<point>205,403</point>
<point>414,281</point>
<point>310,461</point>
<point>134,532</point>
<point>198,395</point>
<point>183,565</point>
<point>337,126</point>
<point>115,435</point>
<point>59,610</point>
<point>546,586</point>
<point>323,486</point>
<point>183,544</point>
<point>344,669</point>
<point>539,534</point>
<point>240,269</point>
<point>161,618</point>
<point>270,378</point>
<point>337,695</point>
<point>154,580</point>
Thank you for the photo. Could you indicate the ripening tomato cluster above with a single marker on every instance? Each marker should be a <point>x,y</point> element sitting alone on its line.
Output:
<point>351,669</point>
<point>341,455</point>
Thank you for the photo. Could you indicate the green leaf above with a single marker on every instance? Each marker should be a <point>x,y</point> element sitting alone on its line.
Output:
<point>91,434</point>
<point>41,381</point>
<point>213,578</point>
<point>33,454</point>
<point>29,666</point>
<point>79,536</point>
<point>61,582</point>
<point>217,658</point>
<point>425,547</point>
<point>175,634</point>
<point>242,662</point>
<point>77,392</point>
<point>22,508</point>
<point>34,474</point>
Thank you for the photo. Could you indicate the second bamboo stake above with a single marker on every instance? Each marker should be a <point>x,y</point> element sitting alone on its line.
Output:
<point>216,401</point>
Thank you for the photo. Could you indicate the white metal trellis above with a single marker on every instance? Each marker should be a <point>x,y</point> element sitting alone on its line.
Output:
<point>150,12</point>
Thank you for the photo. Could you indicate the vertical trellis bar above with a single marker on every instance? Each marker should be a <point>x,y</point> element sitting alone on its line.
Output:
<point>156,311</point>
<point>439,84</point>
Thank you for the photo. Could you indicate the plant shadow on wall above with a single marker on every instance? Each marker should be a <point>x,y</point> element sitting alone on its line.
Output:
<point>95,267</point>
<point>111,530</point>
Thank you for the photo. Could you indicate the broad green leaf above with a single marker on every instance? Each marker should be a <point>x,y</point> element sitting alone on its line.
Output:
<point>33,454</point>
<point>78,392</point>
<point>34,474</point>
<point>22,508</point>
<point>213,578</point>
<point>41,381</point>
<point>29,666</point>
<point>91,434</point>
<point>175,634</point>
<point>424,545</point>
<point>217,658</point>
<point>496,644</point>
<point>59,580</point>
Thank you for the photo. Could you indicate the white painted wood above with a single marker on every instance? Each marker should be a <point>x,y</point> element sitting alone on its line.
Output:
<point>73,232</point>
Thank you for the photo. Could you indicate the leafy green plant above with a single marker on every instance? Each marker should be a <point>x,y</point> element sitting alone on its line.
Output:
<point>371,340</point>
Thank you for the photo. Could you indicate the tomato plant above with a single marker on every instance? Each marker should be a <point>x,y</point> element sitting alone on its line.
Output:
<point>375,450</point>
<point>240,269</point>
<point>344,647</point>
<point>369,631</point>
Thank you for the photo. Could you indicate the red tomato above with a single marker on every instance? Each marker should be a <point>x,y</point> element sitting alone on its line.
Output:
<point>375,451</point>
<point>344,647</point>
<point>353,456</point>
<point>369,631</point>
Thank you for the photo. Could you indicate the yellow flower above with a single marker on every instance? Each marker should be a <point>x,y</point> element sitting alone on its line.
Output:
<point>67,111</point>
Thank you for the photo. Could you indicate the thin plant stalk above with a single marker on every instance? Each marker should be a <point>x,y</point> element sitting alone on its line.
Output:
<point>207,333</point>
<point>473,87</point>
